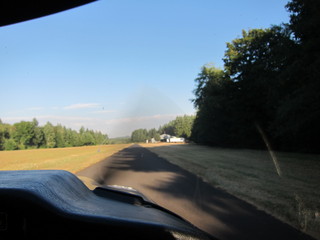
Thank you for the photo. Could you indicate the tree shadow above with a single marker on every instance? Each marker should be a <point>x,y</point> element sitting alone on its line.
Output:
<point>242,220</point>
<point>139,159</point>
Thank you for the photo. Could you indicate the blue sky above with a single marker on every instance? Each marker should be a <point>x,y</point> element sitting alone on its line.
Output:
<point>119,65</point>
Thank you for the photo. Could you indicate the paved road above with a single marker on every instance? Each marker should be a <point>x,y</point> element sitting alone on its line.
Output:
<point>211,209</point>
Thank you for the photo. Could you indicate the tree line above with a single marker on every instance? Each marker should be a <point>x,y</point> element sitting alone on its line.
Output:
<point>268,90</point>
<point>29,135</point>
<point>180,127</point>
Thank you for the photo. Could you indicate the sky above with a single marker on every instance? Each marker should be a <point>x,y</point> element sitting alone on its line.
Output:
<point>119,65</point>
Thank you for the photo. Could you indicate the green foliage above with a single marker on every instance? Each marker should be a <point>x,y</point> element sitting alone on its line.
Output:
<point>28,135</point>
<point>215,103</point>
<point>304,19</point>
<point>4,134</point>
<point>49,135</point>
<point>168,128</point>
<point>24,133</point>
<point>270,81</point>
<point>10,144</point>
<point>153,134</point>
<point>139,135</point>
<point>183,125</point>
<point>180,127</point>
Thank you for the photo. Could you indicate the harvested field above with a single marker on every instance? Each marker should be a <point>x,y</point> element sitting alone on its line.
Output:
<point>70,159</point>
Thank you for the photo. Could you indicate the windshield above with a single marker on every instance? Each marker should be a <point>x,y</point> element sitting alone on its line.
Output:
<point>210,109</point>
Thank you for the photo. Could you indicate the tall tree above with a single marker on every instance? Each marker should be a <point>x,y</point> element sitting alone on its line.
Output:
<point>299,112</point>
<point>24,133</point>
<point>183,126</point>
<point>60,136</point>
<point>213,97</point>
<point>153,134</point>
<point>5,130</point>
<point>49,135</point>
<point>139,135</point>
<point>269,86</point>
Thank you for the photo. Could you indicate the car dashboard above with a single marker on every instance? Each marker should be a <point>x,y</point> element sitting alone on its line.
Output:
<point>56,204</point>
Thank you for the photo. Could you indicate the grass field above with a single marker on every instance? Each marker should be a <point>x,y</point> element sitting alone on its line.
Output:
<point>251,175</point>
<point>70,159</point>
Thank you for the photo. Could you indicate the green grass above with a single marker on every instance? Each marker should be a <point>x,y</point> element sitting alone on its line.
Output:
<point>293,197</point>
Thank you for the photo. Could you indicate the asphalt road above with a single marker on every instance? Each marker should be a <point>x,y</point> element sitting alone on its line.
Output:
<point>210,209</point>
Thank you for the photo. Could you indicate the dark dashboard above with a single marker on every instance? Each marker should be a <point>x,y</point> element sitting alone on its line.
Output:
<point>51,204</point>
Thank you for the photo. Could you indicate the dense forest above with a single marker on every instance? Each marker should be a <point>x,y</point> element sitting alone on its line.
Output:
<point>29,135</point>
<point>180,127</point>
<point>268,90</point>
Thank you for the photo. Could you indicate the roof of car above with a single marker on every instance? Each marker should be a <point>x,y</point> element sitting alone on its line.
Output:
<point>14,11</point>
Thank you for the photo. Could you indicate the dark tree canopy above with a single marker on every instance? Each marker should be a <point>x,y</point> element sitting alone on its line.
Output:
<point>270,82</point>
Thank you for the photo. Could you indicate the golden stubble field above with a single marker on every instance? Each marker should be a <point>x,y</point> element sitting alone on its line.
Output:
<point>70,159</point>
<point>293,197</point>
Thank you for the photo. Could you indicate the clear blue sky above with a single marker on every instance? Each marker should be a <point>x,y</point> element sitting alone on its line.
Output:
<point>119,65</point>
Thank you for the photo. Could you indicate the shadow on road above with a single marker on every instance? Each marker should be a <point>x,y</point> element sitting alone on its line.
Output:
<point>209,208</point>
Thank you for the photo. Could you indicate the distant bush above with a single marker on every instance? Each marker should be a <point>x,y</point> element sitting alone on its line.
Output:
<point>10,144</point>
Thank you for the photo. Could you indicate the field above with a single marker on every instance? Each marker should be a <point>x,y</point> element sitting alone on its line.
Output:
<point>293,197</point>
<point>70,159</point>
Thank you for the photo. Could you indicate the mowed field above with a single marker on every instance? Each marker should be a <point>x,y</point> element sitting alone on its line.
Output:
<point>70,159</point>
<point>293,197</point>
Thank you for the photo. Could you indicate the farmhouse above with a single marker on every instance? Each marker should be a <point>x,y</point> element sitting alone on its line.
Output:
<point>171,139</point>
<point>176,140</point>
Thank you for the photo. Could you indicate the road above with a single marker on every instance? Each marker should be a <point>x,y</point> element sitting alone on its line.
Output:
<point>210,209</point>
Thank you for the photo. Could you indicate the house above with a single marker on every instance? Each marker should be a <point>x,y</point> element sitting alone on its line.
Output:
<point>171,139</point>
<point>176,140</point>
<point>164,137</point>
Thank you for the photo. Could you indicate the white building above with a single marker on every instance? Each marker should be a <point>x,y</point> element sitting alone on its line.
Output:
<point>176,140</point>
<point>171,139</point>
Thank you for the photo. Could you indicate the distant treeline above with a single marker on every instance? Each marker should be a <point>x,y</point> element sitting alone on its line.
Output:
<point>179,127</point>
<point>29,135</point>
<point>268,90</point>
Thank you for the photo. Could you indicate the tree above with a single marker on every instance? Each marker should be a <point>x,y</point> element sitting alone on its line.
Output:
<point>213,98</point>
<point>181,126</point>
<point>102,138</point>
<point>304,19</point>
<point>139,135</point>
<point>49,135</point>
<point>60,136</point>
<point>256,64</point>
<point>4,134</point>
<point>88,138</point>
<point>269,86</point>
<point>168,128</point>
<point>233,102</point>
<point>24,133</point>
<point>153,133</point>
<point>74,138</point>
<point>299,112</point>
<point>10,144</point>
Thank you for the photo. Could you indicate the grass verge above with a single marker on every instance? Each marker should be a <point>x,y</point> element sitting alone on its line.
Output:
<point>251,175</point>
